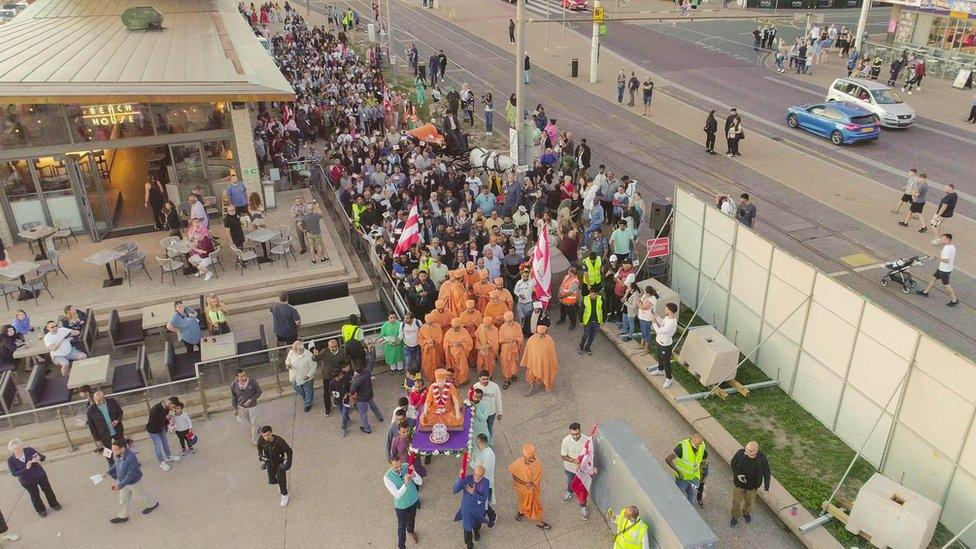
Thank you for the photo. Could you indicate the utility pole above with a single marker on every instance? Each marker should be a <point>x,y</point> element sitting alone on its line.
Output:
<point>862,23</point>
<point>520,105</point>
<point>389,38</point>
<point>595,44</point>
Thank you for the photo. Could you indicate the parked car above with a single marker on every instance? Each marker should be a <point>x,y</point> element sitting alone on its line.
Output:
<point>876,97</point>
<point>574,4</point>
<point>843,122</point>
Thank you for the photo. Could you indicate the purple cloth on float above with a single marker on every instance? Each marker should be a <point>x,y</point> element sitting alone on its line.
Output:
<point>457,442</point>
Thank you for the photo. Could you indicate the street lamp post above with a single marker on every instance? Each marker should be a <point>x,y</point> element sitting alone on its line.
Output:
<point>520,106</point>
<point>595,45</point>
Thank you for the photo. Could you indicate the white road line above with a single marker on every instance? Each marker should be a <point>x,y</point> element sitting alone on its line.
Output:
<point>838,273</point>
<point>869,267</point>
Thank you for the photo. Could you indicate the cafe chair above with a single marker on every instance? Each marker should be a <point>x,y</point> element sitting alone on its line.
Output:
<point>168,243</point>
<point>8,290</point>
<point>28,226</point>
<point>53,265</point>
<point>215,258</point>
<point>134,262</point>
<point>125,248</point>
<point>168,265</point>
<point>243,257</point>
<point>36,284</point>
<point>63,232</point>
<point>131,376</point>
<point>253,346</point>
<point>210,205</point>
<point>125,333</point>
<point>43,392</point>
<point>282,249</point>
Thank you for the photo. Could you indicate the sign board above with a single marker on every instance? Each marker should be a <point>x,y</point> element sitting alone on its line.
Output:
<point>275,174</point>
<point>962,79</point>
<point>658,247</point>
<point>602,29</point>
<point>522,169</point>
<point>250,171</point>
<point>598,14</point>
<point>513,145</point>
<point>109,115</point>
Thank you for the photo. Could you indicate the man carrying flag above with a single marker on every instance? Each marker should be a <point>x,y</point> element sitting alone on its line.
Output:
<point>579,469</point>
<point>411,232</point>
<point>541,274</point>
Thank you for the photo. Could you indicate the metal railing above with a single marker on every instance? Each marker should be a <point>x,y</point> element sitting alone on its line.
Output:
<point>945,64</point>
<point>185,389</point>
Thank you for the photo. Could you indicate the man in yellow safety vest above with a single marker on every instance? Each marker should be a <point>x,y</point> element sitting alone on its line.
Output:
<point>631,530</point>
<point>592,265</point>
<point>351,329</point>
<point>689,465</point>
<point>592,318</point>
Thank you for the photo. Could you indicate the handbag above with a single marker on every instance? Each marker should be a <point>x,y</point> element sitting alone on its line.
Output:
<point>192,438</point>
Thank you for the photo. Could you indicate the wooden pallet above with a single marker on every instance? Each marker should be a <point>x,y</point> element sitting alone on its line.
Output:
<point>720,393</point>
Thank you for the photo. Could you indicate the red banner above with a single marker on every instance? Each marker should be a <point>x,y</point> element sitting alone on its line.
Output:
<point>658,247</point>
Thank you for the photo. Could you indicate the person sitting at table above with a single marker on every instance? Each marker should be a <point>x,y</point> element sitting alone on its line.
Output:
<point>198,210</point>
<point>196,226</point>
<point>234,228</point>
<point>10,341</point>
<point>74,319</point>
<point>173,222</point>
<point>255,209</point>
<point>216,313</point>
<point>22,322</point>
<point>201,247</point>
<point>58,341</point>
<point>185,324</point>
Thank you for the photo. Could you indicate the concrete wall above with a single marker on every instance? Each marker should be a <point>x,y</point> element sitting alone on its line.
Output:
<point>244,155</point>
<point>629,475</point>
<point>845,360</point>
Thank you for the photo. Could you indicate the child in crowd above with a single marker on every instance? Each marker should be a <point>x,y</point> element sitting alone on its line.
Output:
<point>416,395</point>
<point>182,425</point>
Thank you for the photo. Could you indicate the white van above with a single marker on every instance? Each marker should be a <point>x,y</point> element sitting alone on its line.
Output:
<point>875,97</point>
<point>7,14</point>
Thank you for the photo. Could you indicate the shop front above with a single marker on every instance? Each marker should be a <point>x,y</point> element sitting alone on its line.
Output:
<point>943,32</point>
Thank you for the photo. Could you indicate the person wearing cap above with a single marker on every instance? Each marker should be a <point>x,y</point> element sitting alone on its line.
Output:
<point>521,219</point>
<point>539,360</point>
<point>570,294</point>
<point>523,293</point>
<point>592,316</point>
<point>526,474</point>
<point>537,317</point>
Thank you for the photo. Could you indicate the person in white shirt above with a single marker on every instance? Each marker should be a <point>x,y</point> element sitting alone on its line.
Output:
<point>491,402</point>
<point>947,262</point>
<point>645,314</point>
<point>411,349</point>
<point>301,371</point>
<point>664,328</point>
<point>523,296</point>
<point>198,210</point>
<point>570,450</point>
<point>58,341</point>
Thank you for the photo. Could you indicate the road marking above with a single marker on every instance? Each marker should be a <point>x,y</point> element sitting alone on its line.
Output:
<point>869,267</point>
<point>838,273</point>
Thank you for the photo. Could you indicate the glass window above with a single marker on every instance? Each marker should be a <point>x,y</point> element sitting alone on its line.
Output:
<point>886,97</point>
<point>189,167</point>
<point>195,117</point>
<point>110,121</point>
<point>33,125</point>
<point>220,160</point>
<point>21,193</point>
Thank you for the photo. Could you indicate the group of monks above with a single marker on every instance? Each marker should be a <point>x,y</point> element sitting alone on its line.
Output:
<point>473,326</point>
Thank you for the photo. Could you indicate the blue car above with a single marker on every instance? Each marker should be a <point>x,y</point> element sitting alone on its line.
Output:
<point>842,122</point>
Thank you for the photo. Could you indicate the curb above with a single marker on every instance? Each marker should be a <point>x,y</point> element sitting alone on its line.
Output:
<point>777,499</point>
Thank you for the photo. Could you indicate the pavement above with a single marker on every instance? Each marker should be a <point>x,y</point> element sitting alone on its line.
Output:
<point>814,202</point>
<point>219,497</point>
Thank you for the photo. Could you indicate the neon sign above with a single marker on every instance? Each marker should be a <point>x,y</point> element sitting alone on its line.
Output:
<point>109,115</point>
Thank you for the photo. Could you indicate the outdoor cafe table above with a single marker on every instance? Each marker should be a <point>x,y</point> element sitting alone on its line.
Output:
<point>328,311</point>
<point>38,234</point>
<point>94,371</point>
<point>107,257</point>
<point>217,349</point>
<point>33,346</point>
<point>18,269</point>
<point>263,236</point>
<point>184,247</point>
<point>157,316</point>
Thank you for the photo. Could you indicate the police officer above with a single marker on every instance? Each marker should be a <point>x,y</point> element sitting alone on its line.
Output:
<point>689,465</point>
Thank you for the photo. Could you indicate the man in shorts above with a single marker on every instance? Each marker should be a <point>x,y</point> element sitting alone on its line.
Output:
<point>906,195</point>
<point>946,208</point>
<point>312,225</point>
<point>947,262</point>
<point>918,201</point>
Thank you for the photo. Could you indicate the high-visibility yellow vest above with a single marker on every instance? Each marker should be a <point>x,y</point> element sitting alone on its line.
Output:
<point>588,309</point>
<point>688,464</point>
<point>629,535</point>
<point>592,275</point>
<point>357,212</point>
<point>425,264</point>
<point>351,331</point>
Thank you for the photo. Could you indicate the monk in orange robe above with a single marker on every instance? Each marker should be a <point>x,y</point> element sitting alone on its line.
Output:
<point>442,404</point>
<point>430,337</point>
<point>495,308</point>
<point>510,341</point>
<point>457,347</point>
<point>441,314</point>
<point>444,292</point>
<point>506,295</point>
<point>457,293</point>
<point>481,291</point>
<point>470,317</point>
<point>539,359</point>
<point>486,345</point>
<point>470,275</point>
<point>526,474</point>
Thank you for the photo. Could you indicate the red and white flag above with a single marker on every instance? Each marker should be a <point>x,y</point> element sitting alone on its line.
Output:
<point>411,232</point>
<point>585,471</point>
<point>541,274</point>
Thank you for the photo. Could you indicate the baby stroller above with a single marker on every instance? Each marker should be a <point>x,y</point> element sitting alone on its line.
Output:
<point>898,272</point>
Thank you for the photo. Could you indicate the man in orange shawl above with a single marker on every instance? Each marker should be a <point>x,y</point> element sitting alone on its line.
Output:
<point>506,296</point>
<point>470,317</point>
<point>539,359</point>
<point>486,345</point>
<point>470,275</point>
<point>457,292</point>
<point>526,474</point>
<point>457,347</point>
<point>510,341</point>
<point>481,291</point>
<point>430,337</point>
<point>495,308</point>
<point>441,314</point>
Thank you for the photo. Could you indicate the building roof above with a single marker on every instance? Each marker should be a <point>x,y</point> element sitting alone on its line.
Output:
<point>78,51</point>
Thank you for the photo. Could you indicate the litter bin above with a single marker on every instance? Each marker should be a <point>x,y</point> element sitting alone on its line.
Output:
<point>422,69</point>
<point>574,70</point>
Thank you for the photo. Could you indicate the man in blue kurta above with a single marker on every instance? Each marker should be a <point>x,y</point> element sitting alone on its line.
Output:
<point>474,503</point>
<point>479,416</point>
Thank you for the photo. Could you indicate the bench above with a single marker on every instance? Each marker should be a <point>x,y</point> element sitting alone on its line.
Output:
<point>44,392</point>
<point>202,314</point>
<point>8,393</point>
<point>89,333</point>
<point>125,334</point>
<point>128,377</point>
<point>372,313</point>
<point>252,346</point>
<point>180,366</point>
<point>322,292</point>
